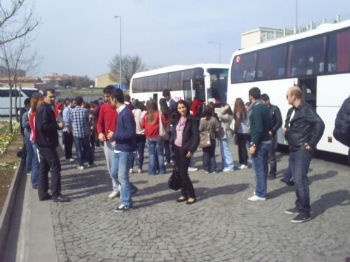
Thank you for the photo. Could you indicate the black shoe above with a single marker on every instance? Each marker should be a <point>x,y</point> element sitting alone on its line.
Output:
<point>134,190</point>
<point>61,198</point>
<point>300,218</point>
<point>271,177</point>
<point>46,197</point>
<point>290,183</point>
<point>282,180</point>
<point>292,211</point>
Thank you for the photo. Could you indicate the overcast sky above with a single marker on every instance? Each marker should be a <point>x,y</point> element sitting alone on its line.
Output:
<point>80,37</point>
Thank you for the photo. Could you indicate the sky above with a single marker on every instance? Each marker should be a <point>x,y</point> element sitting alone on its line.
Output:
<point>81,37</point>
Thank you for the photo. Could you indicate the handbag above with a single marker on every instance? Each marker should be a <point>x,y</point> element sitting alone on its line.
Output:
<point>204,139</point>
<point>174,181</point>
<point>162,130</point>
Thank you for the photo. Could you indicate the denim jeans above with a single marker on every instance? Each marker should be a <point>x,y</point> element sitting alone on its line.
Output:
<point>288,176</point>
<point>83,150</point>
<point>209,162</point>
<point>272,157</point>
<point>226,156</point>
<point>155,150</point>
<point>260,168</point>
<point>120,171</point>
<point>35,166</point>
<point>299,162</point>
<point>29,153</point>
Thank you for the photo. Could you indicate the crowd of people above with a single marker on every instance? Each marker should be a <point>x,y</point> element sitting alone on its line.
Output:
<point>124,127</point>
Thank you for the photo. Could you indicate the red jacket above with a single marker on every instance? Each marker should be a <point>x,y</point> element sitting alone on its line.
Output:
<point>152,128</point>
<point>32,126</point>
<point>107,119</point>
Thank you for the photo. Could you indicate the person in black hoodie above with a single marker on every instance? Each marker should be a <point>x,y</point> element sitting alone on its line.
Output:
<point>46,127</point>
<point>186,140</point>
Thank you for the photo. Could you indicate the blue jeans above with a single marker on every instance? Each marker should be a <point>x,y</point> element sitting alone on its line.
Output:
<point>35,165</point>
<point>288,176</point>
<point>260,168</point>
<point>299,162</point>
<point>120,171</point>
<point>226,156</point>
<point>29,153</point>
<point>155,149</point>
<point>209,162</point>
<point>83,150</point>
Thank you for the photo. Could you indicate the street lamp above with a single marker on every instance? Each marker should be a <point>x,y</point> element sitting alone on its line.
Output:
<point>120,51</point>
<point>219,44</point>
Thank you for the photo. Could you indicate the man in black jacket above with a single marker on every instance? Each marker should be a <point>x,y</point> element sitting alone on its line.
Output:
<point>46,128</point>
<point>303,132</point>
<point>276,123</point>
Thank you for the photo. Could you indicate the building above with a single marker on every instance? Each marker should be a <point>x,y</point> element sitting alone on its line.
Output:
<point>101,81</point>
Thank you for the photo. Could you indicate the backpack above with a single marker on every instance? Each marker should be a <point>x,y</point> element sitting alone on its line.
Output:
<point>341,130</point>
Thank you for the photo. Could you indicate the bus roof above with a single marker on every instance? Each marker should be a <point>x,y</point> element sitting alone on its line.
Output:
<point>175,68</point>
<point>321,29</point>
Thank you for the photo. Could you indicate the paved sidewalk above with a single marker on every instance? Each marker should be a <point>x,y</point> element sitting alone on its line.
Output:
<point>221,226</point>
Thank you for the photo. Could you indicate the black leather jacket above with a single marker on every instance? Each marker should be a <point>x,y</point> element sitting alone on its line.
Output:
<point>305,126</point>
<point>276,119</point>
<point>190,135</point>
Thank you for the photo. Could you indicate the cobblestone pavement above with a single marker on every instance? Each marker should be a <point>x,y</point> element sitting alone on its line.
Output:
<point>221,226</point>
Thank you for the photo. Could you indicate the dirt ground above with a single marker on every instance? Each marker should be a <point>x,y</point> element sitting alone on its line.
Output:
<point>7,173</point>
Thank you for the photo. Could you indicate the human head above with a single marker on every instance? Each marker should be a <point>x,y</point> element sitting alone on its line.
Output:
<point>127,98</point>
<point>49,96</point>
<point>294,95</point>
<point>254,94</point>
<point>34,101</point>
<point>140,105</point>
<point>166,94</point>
<point>228,110</point>
<point>265,99</point>
<point>79,100</point>
<point>27,102</point>
<point>182,108</point>
<point>208,112</point>
<point>107,92</point>
<point>117,97</point>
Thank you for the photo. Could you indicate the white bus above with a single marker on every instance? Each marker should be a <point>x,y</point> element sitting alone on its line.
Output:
<point>16,93</point>
<point>318,61</point>
<point>182,81</point>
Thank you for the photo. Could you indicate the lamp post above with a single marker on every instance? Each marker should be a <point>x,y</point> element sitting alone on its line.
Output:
<point>120,51</point>
<point>296,16</point>
<point>219,44</point>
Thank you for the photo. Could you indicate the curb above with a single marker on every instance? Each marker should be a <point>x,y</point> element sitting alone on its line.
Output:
<point>8,209</point>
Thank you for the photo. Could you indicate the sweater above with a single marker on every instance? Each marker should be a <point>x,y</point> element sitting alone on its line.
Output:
<point>259,117</point>
<point>125,134</point>
<point>107,119</point>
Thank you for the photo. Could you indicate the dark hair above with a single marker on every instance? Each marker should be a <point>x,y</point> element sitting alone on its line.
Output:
<point>139,105</point>
<point>255,92</point>
<point>166,92</point>
<point>127,98</point>
<point>183,102</point>
<point>239,109</point>
<point>108,89</point>
<point>165,109</point>
<point>265,97</point>
<point>229,110</point>
<point>46,90</point>
<point>208,112</point>
<point>26,101</point>
<point>79,100</point>
<point>118,95</point>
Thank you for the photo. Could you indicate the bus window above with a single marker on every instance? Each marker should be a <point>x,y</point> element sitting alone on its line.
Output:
<point>271,63</point>
<point>305,57</point>
<point>144,84</point>
<point>243,68</point>
<point>339,52</point>
<point>163,81</point>
<point>153,83</point>
<point>175,80</point>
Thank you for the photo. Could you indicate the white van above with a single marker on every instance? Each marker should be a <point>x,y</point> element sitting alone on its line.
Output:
<point>21,94</point>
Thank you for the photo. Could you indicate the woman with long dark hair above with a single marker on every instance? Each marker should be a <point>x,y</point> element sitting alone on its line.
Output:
<point>242,131</point>
<point>209,123</point>
<point>185,144</point>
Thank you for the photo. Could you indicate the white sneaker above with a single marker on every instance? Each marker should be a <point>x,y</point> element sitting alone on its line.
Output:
<point>130,171</point>
<point>243,166</point>
<point>80,167</point>
<point>227,170</point>
<point>139,171</point>
<point>29,173</point>
<point>256,198</point>
<point>71,159</point>
<point>192,169</point>
<point>114,194</point>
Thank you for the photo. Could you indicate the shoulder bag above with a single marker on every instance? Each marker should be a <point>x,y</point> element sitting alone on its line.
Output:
<point>174,181</point>
<point>204,139</point>
<point>162,130</point>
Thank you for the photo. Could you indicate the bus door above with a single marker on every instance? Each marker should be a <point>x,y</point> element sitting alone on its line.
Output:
<point>309,89</point>
<point>188,90</point>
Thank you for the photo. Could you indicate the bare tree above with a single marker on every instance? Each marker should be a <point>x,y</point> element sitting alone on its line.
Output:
<point>16,20</point>
<point>16,58</point>
<point>130,66</point>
